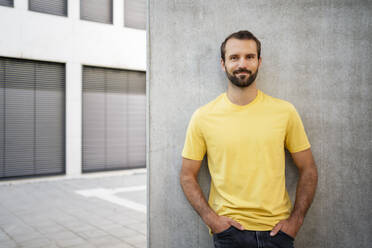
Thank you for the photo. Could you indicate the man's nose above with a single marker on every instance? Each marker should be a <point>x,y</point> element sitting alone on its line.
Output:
<point>243,63</point>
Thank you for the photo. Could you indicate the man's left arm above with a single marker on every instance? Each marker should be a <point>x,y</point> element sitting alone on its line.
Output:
<point>306,186</point>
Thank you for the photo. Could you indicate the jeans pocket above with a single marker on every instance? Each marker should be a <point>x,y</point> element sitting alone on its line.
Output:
<point>225,239</point>
<point>286,235</point>
<point>282,240</point>
<point>224,231</point>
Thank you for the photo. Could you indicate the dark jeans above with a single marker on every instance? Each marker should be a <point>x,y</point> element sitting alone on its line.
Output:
<point>235,238</point>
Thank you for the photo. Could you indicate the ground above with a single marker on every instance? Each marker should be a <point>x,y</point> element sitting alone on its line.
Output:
<point>107,211</point>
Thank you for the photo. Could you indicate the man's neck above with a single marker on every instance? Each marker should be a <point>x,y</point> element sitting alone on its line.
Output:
<point>241,96</point>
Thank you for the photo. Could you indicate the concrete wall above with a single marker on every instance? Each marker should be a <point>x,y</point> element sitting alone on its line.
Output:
<point>33,35</point>
<point>317,55</point>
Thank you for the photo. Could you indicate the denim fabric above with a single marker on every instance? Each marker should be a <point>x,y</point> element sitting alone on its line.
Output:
<point>235,238</point>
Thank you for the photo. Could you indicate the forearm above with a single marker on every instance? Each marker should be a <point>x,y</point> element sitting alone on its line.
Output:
<point>305,192</point>
<point>195,196</point>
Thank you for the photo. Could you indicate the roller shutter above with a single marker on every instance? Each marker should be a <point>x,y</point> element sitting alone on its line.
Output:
<point>135,14</point>
<point>96,10</point>
<point>8,3</point>
<point>54,7</point>
<point>114,111</point>
<point>32,112</point>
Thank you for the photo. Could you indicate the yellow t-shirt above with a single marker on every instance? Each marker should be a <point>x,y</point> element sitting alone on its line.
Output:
<point>246,157</point>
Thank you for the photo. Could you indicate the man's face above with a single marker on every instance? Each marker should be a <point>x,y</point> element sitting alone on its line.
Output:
<point>241,62</point>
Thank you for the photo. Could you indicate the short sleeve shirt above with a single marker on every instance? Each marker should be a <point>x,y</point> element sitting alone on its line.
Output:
<point>246,157</point>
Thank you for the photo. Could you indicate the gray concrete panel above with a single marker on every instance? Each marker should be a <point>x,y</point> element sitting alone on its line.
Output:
<point>317,55</point>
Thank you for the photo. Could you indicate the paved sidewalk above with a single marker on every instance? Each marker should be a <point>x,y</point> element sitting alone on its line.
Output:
<point>104,212</point>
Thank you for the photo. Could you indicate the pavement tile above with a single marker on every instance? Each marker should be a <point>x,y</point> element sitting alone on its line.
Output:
<point>63,236</point>
<point>138,226</point>
<point>113,225</point>
<point>16,227</point>
<point>34,218</point>
<point>36,243</point>
<point>63,219</point>
<point>128,221</point>
<point>24,237</point>
<point>51,229</point>
<point>134,196</point>
<point>121,232</point>
<point>85,245</point>
<point>83,227</point>
<point>136,239</point>
<point>95,233</point>
<point>75,223</point>
<point>41,224</point>
<point>3,236</point>
<point>105,225</point>
<point>70,242</point>
<point>140,245</point>
<point>143,231</point>
<point>105,241</point>
<point>16,230</point>
<point>123,245</point>
<point>7,219</point>
<point>8,244</point>
<point>50,245</point>
<point>52,215</point>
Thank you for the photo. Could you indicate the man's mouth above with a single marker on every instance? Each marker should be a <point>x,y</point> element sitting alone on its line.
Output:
<point>242,72</point>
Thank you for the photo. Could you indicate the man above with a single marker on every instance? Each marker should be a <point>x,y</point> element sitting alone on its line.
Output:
<point>244,133</point>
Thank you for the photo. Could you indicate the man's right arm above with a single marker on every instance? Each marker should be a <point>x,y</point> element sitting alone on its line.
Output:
<point>191,188</point>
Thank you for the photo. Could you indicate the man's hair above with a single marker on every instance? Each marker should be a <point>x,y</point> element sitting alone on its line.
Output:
<point>241,35</point>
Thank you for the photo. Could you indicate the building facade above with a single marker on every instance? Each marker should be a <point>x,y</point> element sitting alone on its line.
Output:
<point>73,91</point>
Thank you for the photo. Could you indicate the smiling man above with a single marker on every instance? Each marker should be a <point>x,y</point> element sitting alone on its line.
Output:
<point>244,133</point>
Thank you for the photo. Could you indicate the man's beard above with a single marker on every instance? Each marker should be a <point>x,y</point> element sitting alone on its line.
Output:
<point>242,81</point>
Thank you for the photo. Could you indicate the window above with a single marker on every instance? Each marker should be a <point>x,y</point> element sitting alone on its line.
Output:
<point>8,3</point>
<point>114,113</point>
<point>32,118</point>
<point>96,10</point>
<point>135,14</point>
<point>54,7</point>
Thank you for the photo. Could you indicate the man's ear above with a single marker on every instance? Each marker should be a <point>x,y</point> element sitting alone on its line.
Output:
<point>259,61</point>
<point>223,65</point>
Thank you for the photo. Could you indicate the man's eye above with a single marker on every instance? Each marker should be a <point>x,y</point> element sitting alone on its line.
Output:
<point>234,58</point>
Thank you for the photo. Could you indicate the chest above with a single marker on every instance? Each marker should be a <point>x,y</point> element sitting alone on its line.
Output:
<point>245,129</point>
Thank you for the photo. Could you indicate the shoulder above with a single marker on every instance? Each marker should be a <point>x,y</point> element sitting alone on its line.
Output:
<point>208,108</point>
<point>277,103</point>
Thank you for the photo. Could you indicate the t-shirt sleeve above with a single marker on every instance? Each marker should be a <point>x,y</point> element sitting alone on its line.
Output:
<point>194,147</point>
<point>295,139</point>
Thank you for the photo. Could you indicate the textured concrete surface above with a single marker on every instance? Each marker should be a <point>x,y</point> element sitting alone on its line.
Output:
<point>317,55</point>
<point>50,214</point>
